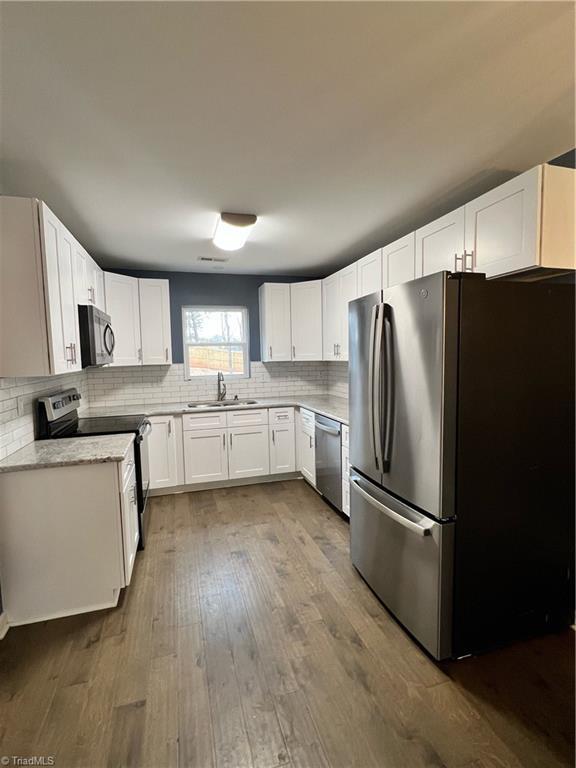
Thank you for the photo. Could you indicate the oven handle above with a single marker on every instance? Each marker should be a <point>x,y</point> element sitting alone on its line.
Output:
<point>421,530</point>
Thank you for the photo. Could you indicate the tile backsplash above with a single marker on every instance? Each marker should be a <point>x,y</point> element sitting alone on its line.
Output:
<point>156,384</point>
<point>17,398</point>
<point>337,384</point>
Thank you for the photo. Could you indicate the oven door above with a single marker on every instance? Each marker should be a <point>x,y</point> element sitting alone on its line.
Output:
<point>407,559</point>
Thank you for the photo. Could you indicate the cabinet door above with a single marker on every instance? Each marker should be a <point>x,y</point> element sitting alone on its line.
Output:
<point>248,453</point>
<point>155,322</point>
<point>130,533</point>
<point>80,273</point>
<point>398,260</point>
<point>60,299</point>
<point>60,358</point>
<point>348,279</point>
<point>439,243</point>
<point>503,226</point>
<point>95,284</point>
<point>162,452</point>
<point>275,335</point>
<point>123,306</point>
<point>330,317</point>
<point>282,448</point>
<point>306,320</point>
<point>370,273</point>
<point>308,458</point>
<point>205,456</point>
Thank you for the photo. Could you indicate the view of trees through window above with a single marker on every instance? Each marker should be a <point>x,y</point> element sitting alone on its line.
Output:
<point>215,339</point>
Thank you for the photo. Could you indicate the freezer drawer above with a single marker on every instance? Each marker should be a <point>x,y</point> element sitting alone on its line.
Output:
<point>407,559</point>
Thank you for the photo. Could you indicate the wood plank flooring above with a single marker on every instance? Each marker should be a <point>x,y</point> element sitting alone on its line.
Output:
<point>247,640</point>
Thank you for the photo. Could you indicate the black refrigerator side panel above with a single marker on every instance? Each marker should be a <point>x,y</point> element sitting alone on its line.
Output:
<point>515,463</point>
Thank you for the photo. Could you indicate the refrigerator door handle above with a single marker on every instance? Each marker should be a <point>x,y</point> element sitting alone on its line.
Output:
<point>420,530</point>
<point>373,318</point>
<point>389,383</point>
<point>377,388</point>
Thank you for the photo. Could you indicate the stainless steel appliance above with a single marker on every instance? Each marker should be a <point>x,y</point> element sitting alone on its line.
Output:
<point>57,417</point>
<point>462,456</point>
<point>97,340</point>
<point>329,460</point>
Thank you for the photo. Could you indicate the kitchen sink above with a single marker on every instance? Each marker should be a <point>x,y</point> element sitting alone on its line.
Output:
<point>221,403</point>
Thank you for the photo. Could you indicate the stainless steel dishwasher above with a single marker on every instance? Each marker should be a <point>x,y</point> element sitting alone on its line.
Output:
<point>329,460</point>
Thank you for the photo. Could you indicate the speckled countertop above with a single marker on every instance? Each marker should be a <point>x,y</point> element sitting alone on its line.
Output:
<point>325,405</point>
<point>67,452</point>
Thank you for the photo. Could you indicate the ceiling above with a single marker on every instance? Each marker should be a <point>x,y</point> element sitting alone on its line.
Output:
<point>342,125</point>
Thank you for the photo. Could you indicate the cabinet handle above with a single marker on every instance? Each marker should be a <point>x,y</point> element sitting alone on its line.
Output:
<point>458,262</point>
<point>270,348</point>
<point>166,354</point>
<point>139,354</point>
<point>310,438</point>
<point>74,352</point>
<point>465,261</point>
<point>273,438</point>
<point>223,439</point>
<point>71,358</point>
<point>293,351</point>
<point>231,440</point>
<point>169,428</point>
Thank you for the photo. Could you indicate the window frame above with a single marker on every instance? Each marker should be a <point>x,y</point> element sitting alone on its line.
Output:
<point>246,343</point>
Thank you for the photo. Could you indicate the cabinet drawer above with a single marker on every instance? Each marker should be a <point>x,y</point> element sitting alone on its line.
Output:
<point>211,420</point>
<point>345,464</point>
<point>308,422</point>
<point>247,418</point>
<point>281,415</point>
<point>345,436</point>
<point>126,467</point>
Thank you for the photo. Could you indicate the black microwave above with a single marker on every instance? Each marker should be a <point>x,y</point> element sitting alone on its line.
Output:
<point>96,336</point>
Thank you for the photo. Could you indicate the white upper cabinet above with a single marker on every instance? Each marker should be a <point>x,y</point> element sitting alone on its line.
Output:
<point>440,244</point>
<point>526,222</point>
<point>337,291</point>
<point>398,261</point>
<point>306,320</point>
<point>348,279</point>
<point>275,333</point>
<point>140,314</point>
<point>330,316</point>
<point>123,306</point>
<point>370,273</point>
<point>95,284</point>
<point>155,322</point>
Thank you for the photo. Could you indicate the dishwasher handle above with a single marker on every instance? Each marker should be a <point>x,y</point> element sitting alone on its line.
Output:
<point>330,430</point>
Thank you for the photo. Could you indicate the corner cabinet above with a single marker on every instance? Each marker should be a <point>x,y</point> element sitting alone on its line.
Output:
<point>140,312</point>
<point>306,320</point>
<point>39,332</point>
<point>338,291</point>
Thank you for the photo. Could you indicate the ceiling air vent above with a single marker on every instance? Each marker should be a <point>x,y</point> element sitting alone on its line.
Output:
<point>215,259</point>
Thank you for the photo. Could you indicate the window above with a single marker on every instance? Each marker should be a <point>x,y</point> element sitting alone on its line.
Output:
<point>215,339</point>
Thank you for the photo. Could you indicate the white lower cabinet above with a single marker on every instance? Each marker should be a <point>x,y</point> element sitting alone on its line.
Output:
<point>162,452</point>
<point>205,455</point>
<point>282,448</point>
<point>130,532</point>
<point>308,446</point>
<point>248,453</point>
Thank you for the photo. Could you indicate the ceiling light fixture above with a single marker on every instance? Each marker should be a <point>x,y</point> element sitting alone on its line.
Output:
<point>232,230</point>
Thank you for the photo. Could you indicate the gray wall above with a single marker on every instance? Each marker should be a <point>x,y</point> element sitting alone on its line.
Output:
<point>189,288</point>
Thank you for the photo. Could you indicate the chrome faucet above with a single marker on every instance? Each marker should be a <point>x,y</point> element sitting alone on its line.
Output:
<point>221,386</point>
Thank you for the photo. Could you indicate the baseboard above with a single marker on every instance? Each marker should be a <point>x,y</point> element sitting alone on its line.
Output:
<point>225,484</point>
<point>4,626</point>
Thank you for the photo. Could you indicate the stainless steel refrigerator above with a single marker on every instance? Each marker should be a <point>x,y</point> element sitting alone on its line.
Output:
<point>462,457</point>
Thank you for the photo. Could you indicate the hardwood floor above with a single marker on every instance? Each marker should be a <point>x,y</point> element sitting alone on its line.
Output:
<point>248,639</point>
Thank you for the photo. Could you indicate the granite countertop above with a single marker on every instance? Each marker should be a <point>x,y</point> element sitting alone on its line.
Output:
<point>325,405</point>
<point>68,451</point>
